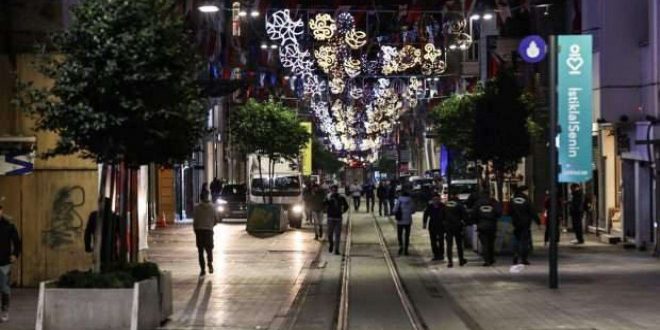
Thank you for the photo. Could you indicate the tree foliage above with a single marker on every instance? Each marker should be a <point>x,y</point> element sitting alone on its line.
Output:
<point>453,120</point>
<point>124,86</point>
<point>386,165</point>
<point>267,129</point>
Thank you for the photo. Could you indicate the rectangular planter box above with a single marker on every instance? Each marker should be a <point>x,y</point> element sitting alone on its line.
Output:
<point>144,306</point>
<point>266,218</point>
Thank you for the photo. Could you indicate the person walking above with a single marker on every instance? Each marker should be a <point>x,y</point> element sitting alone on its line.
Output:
<point>307,202</point>
<point>403,211</point>
<point>522,214</point>
<point>576,209</point>
<point>368,190</point>
<point>336,206</point>
<point>10,250</point>
<point>216,189</point>
<point>316,207</point>
<point>205,217</point>
<point>383,198</point>
<point>391,195</point>
<point>455,217</point>
<point>486,211</point>
<point>434,218</point>
<point>356,192</point>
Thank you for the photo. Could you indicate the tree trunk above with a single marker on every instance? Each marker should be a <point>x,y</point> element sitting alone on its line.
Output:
<point>100,219</point>
<point>123,223</point>
<point>261,178</point>
<point>271,175</point>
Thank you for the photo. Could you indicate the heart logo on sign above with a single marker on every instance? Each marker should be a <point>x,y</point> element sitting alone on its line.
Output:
<point>575,63</point>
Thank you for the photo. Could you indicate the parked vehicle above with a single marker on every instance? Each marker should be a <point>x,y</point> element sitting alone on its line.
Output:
<point>232,202</point>
<point>285,186</point>
<point>462,188</point>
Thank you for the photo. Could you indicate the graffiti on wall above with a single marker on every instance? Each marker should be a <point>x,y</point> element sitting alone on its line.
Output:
<point>66,224</point>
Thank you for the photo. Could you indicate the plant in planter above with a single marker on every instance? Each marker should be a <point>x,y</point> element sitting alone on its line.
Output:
<point>267,130</point>
<point>125,296</point>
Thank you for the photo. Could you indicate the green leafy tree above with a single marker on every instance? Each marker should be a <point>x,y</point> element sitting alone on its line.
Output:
<point>124,90</point>
<point>386,165</point>
<point>503,125</point>
<point>267,129</point>
<point>453,121</point>
<point>324,160</point>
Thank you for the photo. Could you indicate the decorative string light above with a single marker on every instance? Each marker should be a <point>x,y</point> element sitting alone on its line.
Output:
<point>355,39</point>
<point>280,26</point>
<point>323,27</point>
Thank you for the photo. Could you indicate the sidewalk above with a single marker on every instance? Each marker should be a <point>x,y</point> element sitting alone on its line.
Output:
<point>23,311</point>
<point>601,287</point>
<point>255,281</point>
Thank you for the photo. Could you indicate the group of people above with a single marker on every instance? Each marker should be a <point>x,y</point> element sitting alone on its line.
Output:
<point>386,192</point>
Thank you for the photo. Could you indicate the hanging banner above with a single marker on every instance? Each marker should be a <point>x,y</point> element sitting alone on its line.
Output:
<point>574,103</point>
<point>306,153</point>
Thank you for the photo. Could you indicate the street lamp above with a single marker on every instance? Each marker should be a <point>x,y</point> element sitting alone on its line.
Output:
<point>273,46</point>
<point>254,13</point>
<point>208,8</point>
<point>488,16</point>
<point>242,13</point>
<point>264,46</point>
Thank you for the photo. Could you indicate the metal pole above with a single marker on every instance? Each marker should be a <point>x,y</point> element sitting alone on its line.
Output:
<point>552,263</point>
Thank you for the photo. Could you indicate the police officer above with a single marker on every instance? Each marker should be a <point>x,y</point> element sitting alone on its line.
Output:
<point>522,214</point>
<point>486,211</point>
<point>455,217</point>
<point>434,215</point>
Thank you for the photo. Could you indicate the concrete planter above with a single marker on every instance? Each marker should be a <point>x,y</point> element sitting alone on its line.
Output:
<point>266,218</point>
<point>145,306</point>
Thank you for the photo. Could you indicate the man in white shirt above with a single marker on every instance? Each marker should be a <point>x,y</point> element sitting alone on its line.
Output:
<point>356,193</point>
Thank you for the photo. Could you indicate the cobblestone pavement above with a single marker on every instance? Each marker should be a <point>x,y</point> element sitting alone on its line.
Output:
<point>255,282</point>
<point>601,287</point>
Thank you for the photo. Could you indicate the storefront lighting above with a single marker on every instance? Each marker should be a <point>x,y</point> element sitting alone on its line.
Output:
<point>208,8</point>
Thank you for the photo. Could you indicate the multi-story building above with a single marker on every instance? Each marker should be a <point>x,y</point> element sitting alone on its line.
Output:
<point>626,75</point>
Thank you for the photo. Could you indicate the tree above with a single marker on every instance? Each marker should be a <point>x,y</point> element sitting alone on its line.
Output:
<point>324,160</point>
<point>503,125</point>
<point>386,165</point>
<point>453,121</point>
<point>124,89</point>
<point>267,129</point>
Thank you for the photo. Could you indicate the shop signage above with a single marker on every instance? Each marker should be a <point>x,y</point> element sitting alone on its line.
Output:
<point>574,103</point>
<point>532,49</point>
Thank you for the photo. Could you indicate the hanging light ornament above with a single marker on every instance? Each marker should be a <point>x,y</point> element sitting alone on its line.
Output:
<point>323,27</point>
<point>388,56</point>
<point>355,39</point>
<point>352,67</point>
<point>345,22</point>
<point>280,26</point>
<point>337,86</point>
<point>326,58</point>
<point>409,57</point>
<point>356,93</point>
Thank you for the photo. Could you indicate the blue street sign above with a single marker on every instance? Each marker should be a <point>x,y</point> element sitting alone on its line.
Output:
<point>532,49</point>
<point>15,164</point>
<point>574,73</point>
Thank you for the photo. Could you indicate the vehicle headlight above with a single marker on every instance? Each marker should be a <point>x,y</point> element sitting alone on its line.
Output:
<point>297,208</point>
<point>220,201</point>
<point>220,208</point>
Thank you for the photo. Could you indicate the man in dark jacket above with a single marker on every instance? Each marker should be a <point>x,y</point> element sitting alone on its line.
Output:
<point>434,216</point>
<point>391,194</point>
<point>455,217</point>
<point>522,214</point>
<point>486,211</point>
<point>383,198</point>
<point>368,191</point>
<point>336,205</point>
<point>576,209</point>
<point>10,250</point>
<point>205,217</point>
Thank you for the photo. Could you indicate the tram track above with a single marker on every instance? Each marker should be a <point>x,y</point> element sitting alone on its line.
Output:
<point>343,317</point>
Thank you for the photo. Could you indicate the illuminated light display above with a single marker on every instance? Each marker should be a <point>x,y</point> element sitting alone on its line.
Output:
<point>323,27</point>
<point>355,39</point>
<point>280,26</point>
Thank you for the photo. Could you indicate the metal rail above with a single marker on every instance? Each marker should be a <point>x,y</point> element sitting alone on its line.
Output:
<point>342,314</point>
<point>413,316</point>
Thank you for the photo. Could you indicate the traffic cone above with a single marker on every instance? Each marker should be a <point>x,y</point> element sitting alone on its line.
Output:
<point>162,221</point>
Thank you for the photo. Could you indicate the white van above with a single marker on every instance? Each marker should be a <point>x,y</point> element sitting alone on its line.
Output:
<point>462,188</point>
<point>286,184</point>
